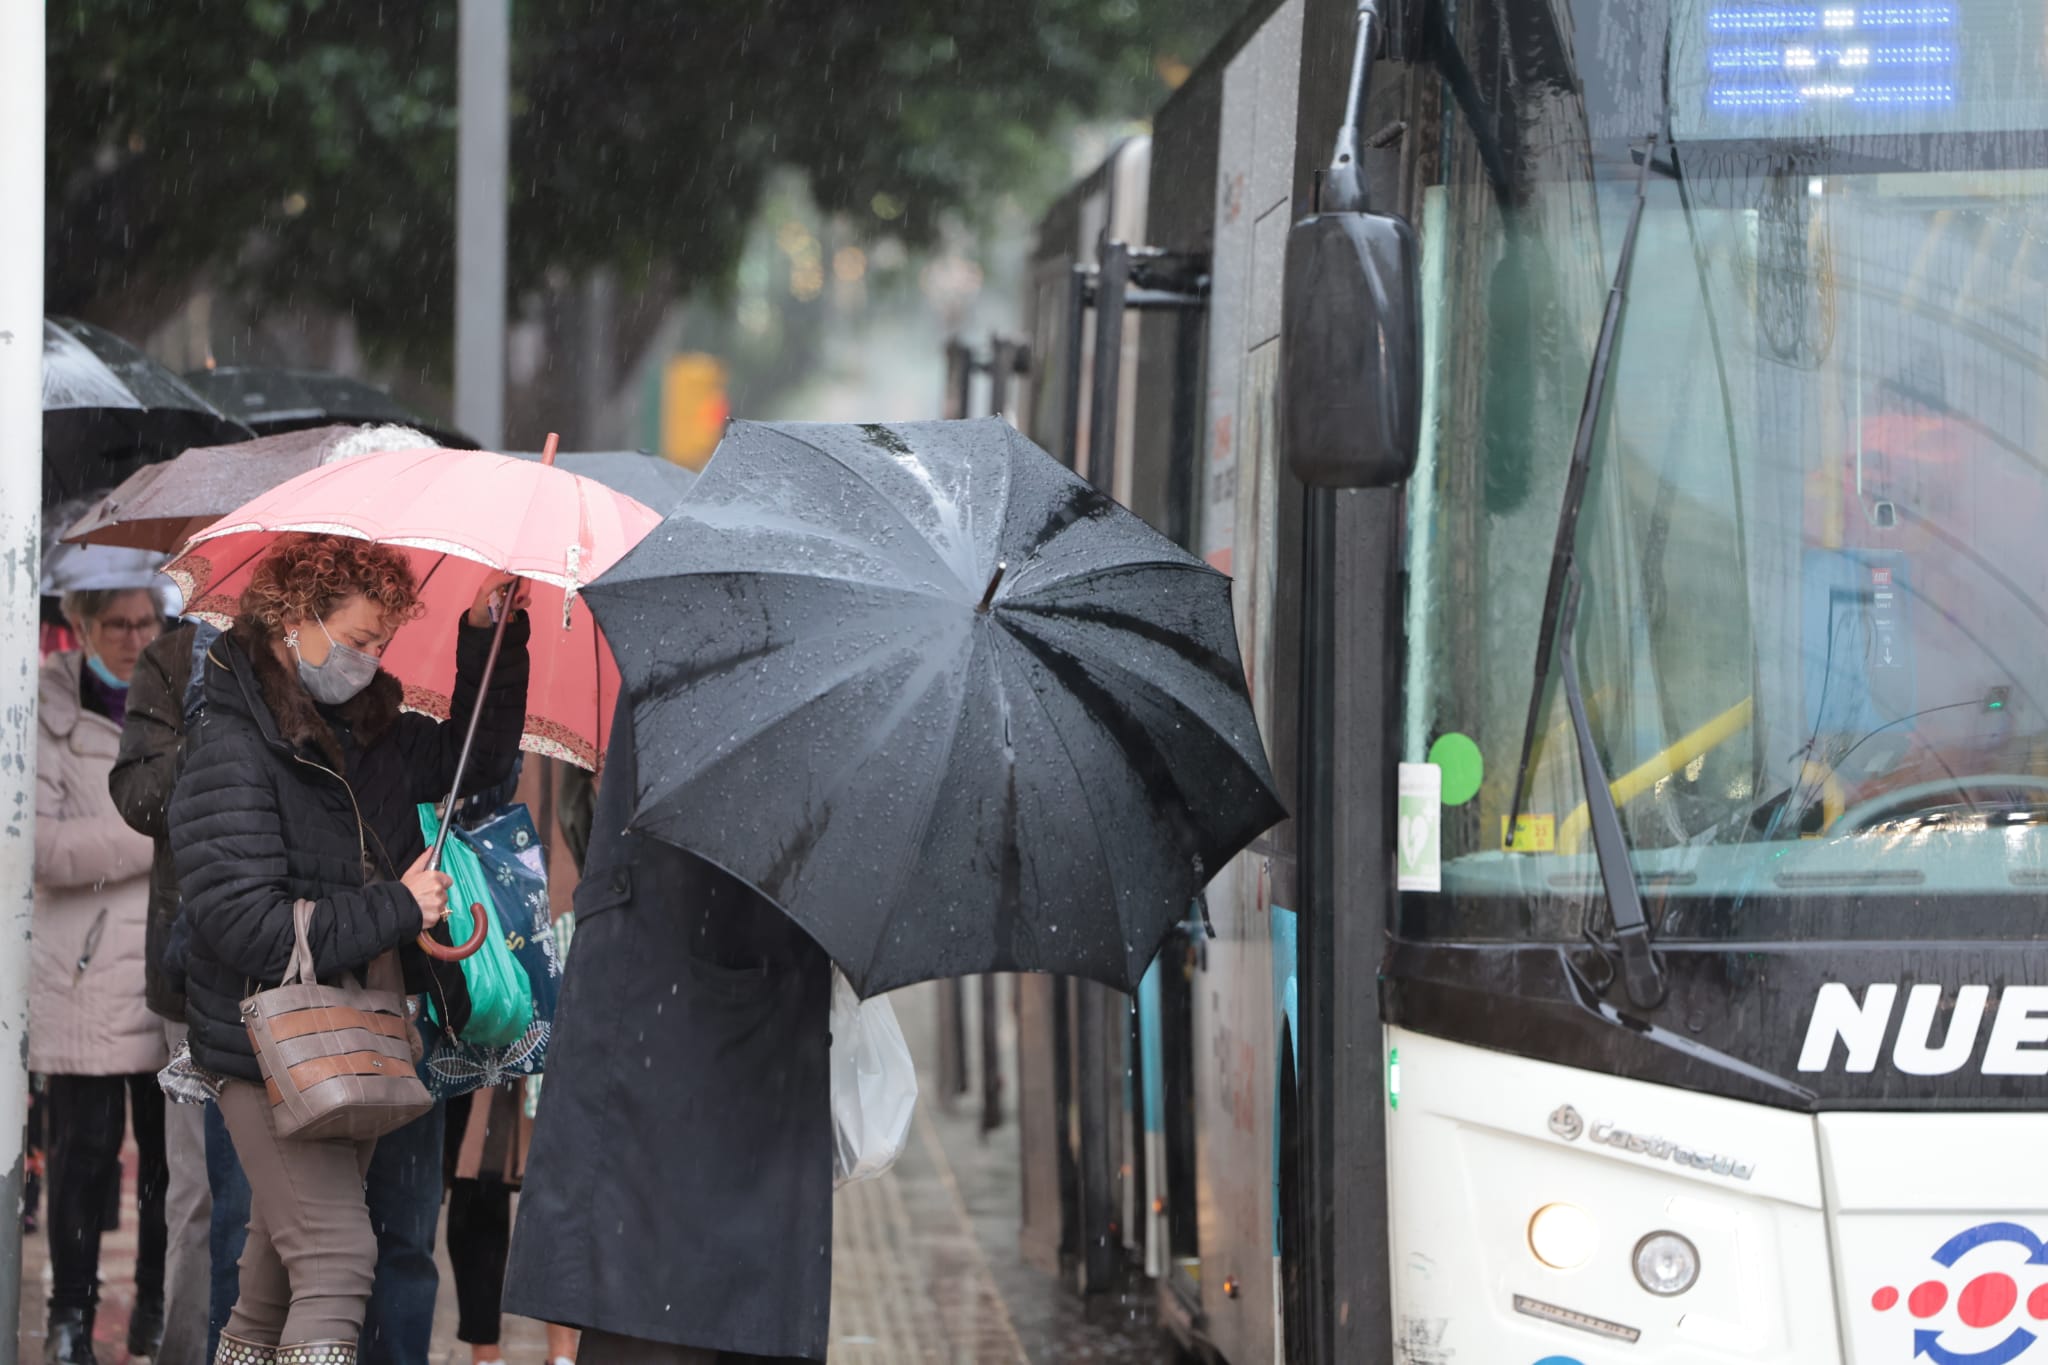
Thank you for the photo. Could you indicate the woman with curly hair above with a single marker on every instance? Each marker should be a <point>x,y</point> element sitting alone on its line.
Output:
<point>301,783</point>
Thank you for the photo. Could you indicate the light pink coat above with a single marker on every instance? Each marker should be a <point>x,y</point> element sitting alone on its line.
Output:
<point>90,869</point>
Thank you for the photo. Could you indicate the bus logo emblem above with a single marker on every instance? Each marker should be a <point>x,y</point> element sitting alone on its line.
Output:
<point>1566,1123</point>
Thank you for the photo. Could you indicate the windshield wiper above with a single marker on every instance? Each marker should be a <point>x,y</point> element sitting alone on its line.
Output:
<point>1641,975</point>
<point>1565,543</point>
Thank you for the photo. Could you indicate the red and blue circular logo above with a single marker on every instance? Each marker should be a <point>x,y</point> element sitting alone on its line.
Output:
<point>1983,1300</point>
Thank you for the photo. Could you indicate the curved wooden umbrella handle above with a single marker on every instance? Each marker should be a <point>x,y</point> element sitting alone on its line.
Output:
<point>433,947</point>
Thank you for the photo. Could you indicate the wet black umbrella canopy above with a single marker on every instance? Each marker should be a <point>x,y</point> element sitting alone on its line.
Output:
<point>949,706</point>
<point>271,399</point>
<point>108,409</point>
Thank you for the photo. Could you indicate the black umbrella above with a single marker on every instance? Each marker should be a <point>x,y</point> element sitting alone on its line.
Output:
<point>108,409</point>
<point>272,399</point>
<point>944,702</point>
<point>648,479</point>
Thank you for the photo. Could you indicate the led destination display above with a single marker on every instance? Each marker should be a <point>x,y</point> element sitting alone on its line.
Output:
<point>1754,68</point>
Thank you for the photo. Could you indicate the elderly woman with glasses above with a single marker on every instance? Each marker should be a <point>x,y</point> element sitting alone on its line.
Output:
<point>90,1032</point>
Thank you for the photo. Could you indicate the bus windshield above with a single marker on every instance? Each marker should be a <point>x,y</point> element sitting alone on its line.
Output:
<point>1813,638</point>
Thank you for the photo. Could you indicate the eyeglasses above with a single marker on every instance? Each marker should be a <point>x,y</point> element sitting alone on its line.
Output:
<point>148,627</point>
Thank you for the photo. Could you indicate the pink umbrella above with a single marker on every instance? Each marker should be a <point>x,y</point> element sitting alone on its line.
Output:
<point>464,516</point>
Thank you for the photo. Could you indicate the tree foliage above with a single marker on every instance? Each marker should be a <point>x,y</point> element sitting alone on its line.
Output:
<point>302,152</point>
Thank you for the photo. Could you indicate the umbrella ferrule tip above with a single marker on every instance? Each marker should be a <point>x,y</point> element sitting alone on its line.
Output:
<point>995,580</point>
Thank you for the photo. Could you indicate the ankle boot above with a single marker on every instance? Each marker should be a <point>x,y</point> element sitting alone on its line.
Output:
<point>146,1325</point>
<point>235,1351</point>
<point>317,1353</point>
<point>70,1337</point>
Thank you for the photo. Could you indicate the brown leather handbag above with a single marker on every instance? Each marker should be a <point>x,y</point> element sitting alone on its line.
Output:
<point>338,1060</point>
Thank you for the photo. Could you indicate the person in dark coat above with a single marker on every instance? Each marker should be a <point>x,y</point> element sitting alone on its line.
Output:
<point>145,771</point>
<point>678,1197</point>
<point>302,783</point>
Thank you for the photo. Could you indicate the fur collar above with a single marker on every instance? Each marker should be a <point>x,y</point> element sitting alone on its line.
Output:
<point>368,714</point>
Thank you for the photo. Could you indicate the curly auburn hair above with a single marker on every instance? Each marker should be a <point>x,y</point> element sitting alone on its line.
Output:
<point>307,576</point>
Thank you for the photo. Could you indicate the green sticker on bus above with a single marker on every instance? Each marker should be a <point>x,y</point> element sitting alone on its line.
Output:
<point>1463,767</point>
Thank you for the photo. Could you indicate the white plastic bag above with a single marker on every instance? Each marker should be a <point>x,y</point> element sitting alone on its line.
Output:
<point>874,1085</point>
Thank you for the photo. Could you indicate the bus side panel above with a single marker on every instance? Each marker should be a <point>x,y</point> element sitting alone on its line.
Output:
<point>1073,1050</point>
<point>1047,1172</point>
<point>1248,525</point>
<point>1167,455</point>
<point>1168,417</point>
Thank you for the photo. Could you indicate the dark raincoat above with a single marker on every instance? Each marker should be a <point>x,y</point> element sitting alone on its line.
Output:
<point>679,1187</point>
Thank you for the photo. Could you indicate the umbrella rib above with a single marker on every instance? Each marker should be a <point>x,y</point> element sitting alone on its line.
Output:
<point>917,532</point>
<point>1094,824</point>
<point>847,673</point>
<point>1226,669</point>
<point>1178,794</point>
<point>1121,566</point>
<point>719,519</point>
<point>1144,684</point>
<point>674,575</point>
<point>924,825</point>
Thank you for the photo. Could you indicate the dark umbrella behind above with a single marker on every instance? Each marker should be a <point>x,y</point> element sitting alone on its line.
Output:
<point>272,400</point>
<point>108,409</point>
<point>648,479</point>
<point>160,506</point>
<point>948,705</point>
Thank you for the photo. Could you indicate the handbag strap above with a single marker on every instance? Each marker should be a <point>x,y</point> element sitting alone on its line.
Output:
<point>300,969</point>
<point>384,974</point>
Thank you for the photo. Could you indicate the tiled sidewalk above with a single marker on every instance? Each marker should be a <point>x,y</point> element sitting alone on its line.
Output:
<point>925,1265</point>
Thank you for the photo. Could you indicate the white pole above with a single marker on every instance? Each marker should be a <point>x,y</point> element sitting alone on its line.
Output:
<point>21,498</point>
<point>484,73</point>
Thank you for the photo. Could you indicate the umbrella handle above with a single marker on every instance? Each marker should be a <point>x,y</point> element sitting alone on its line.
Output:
<point>429,945</point>
<point>434,948</point>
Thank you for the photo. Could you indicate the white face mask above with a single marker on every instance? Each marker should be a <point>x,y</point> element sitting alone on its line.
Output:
<point>345,672</point>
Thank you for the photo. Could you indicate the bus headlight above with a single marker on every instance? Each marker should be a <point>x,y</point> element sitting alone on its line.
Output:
<point>1666,1263</point>
<point>1562,1236</point>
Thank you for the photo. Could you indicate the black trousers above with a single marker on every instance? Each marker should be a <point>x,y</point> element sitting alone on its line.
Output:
<point>606,1348</point>
<point>479,1239</point>
<point>86,1118</point>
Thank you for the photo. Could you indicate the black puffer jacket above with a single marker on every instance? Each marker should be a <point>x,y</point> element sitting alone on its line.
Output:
<point>152,740</point>
<point>281,799</point>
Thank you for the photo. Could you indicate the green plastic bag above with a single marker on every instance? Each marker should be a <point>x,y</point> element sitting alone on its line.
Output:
<point>500,996</point>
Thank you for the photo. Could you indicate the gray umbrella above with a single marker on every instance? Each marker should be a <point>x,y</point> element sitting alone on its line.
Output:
<point>159,506</point>
<point>108,409</point>
<point>949,706</point>
<point>648,479</point>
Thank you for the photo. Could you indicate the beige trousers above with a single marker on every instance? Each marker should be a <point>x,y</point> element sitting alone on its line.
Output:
<point>311,1254</point>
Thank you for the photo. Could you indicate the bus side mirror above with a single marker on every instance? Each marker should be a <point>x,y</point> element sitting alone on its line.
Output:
<point>1350,383</point>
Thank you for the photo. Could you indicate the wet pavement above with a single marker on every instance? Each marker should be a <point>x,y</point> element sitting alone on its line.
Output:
<point>926,1265</point>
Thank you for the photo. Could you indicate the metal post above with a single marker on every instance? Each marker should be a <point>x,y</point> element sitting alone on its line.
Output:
<point>1005,361</point>
<point>1112,279</point>
<point>991,1060</point>
<point>21,499</point>
<point>483,144</point>
<point>952,1042</point>
<point>1080,293</point>
<point>957,359</point>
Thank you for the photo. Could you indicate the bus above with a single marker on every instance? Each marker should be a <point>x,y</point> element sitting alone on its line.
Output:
<point>1653,966</point>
